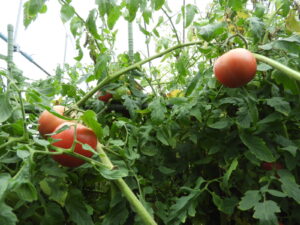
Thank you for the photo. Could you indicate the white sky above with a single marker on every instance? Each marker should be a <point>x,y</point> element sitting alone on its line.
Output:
<point>44,39</point>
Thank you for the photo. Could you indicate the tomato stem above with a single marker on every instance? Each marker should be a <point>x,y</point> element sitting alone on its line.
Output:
<point>127,192</point>
<point>277,65</point>
<point>12,140</point>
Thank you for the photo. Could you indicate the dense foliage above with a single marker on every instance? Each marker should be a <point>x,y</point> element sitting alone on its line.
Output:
<point>207,154</point>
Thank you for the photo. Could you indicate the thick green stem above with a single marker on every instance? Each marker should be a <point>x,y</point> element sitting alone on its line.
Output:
<point>114,76</point>
<point>288,71</point>
<point>127,192</point>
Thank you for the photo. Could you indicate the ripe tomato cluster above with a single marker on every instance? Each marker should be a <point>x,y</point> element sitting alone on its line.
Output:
<point>235,68</point>
<point>50,124</point>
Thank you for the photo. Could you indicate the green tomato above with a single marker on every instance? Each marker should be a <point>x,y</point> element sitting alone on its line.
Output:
<point>121,91</point>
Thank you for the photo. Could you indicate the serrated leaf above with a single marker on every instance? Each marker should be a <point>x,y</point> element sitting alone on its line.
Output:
<point>7,215</point>
<point>76,208</point>
<point>75,26</point>
<point>90,119</point>
<point>211,31</point>
<point>257,28</point>
<point>276,193</point>
<point>158,110</point>
<point>132,6</point>
<point>53,214</point>
<point>228,173</point>
<point>257,146</point>
<point>289,185</point>
<point>280,105</point>
<point>251,198</point>
<point>190,12</point>
<point>91,23</point>
<point>157,4</point>
<point>120,170</point>
<point>221,124</point>
<point>193,84</point>
<point>236,4</point>
<point>66,13</point>
<point>5,109</point>
<point>265,212</point>
<point>113,17</point>
<point>225,205</point>
<point>4,181</point>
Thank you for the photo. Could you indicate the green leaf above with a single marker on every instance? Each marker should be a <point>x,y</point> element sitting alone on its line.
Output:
<point>211,31</point>
<point>221,124</point>
<point>117,214</point>
<point>265,212</point>
<point>113,17</point>
<point>120,170</point>
<point>90,119</point>
<point>101,66</point>
<point>251,198</point>
<point>289,185</point>
<point>157,4</point>
<point>55,188</point>
<point>132,6</point>
<point>22,185</point>
<point>91,24</point>
<point>66,13</point>
<point>237,4</point>
<point>276,193</point>
<point>53,214</point>
<point>76,208</point>
<point>7,215</point>
<point>225,205</point>
<point>280,105</point>
<point>158,110</point>
<point>179,211</point>
<point>191,87</point>
<point>257,28</point>
<point>4,181</point>
<point>257,146</point>
<point>5,109</point>
<point>75,26</point>
<point>228,173</point>
<point>166,171</point>
<point>31,9</point>
<point>191,11</point>
<point>292,24</point>
<point>147,14</point>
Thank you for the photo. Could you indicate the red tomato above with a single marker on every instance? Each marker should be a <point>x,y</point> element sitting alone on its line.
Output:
<point>272,166</point>
<point>235,68</point>
<point>105,97</point>
<point>48,122</point>
<point>84,135</point>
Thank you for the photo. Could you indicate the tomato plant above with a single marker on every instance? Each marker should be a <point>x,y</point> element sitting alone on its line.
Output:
<point>235,68</point>
<point>66,139</point>
<point>202,155</point>
<point>48,122</point>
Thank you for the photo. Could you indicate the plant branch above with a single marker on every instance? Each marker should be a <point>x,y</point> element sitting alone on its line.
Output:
<point>277,65</point>
<point>127,192</point>
<point>12,140</point>
<point>172,24</point>
<point>114,76</point>
<point>237,35</point>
